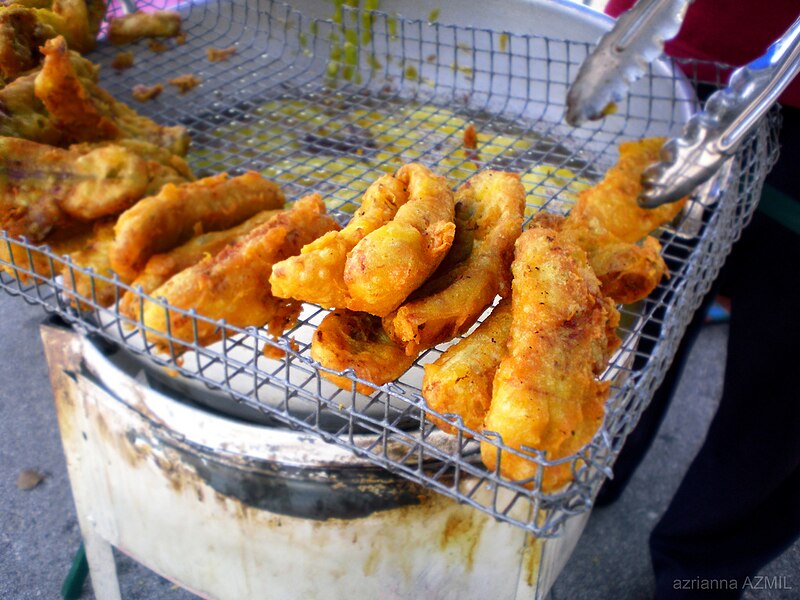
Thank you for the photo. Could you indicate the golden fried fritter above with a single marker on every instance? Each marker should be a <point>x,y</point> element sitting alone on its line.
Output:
<point>460,380</point>
<point>24,263</point>
<point>357,341</point>
<point>394,260</point>
<point>24,115</point>
<point>43,187</point>
<point>627,272</point>
<point>67,100</point>
<point>317,273</point>
<point>21,34</point>
<point>93,255</point>
<point>139,25</point>
<point>85,112</point>
<point>81,23</point>
<point>234,284</point>
<point>162,222</point>
<point>161,267</point>
<point>489,206</point>
<point>612,202</point>
<point>545,394</point>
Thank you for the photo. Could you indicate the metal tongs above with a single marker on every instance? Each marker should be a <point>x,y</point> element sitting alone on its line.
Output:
<point>711,135</point>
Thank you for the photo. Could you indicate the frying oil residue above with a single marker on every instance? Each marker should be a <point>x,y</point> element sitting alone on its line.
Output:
<point>337,144</point>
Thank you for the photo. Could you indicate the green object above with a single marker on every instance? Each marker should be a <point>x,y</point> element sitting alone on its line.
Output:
<point>73,583</point>
<point>782,208</point>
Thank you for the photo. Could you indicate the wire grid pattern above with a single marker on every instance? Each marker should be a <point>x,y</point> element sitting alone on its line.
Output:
<point>298,103</point>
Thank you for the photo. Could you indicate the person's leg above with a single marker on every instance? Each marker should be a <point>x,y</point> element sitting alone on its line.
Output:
<point>739,504</point>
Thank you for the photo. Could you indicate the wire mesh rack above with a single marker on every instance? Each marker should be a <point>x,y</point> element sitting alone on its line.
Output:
<point>326,104</point>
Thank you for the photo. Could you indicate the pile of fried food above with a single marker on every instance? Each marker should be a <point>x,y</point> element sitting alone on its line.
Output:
<point>417,265</point>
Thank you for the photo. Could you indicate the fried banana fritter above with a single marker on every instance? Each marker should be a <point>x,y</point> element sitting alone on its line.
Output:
<point>161,267</point>
<point>81,21</point>
<point>627,272</point>
<point>460,381</point>
<point>357,341</point>
<point>162,222</point>
<point>545,394</point>
<point>67,99</point>
<point>23,114</point>
<point>234,284</point>
<point>490,207</point>
<point>85,112</point>
<point>317,273</point>
<point>612,202</point>
<point>61,242</point>
<point>21,34</point>
<point>608,223</point>
<point>140,25</point>
<point>394,260</point>
<point>93,255</point>
<point>42,187</point>
<point>25,26</point>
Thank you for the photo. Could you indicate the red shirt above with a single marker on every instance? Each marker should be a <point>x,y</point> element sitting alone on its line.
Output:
<point>730,31</point>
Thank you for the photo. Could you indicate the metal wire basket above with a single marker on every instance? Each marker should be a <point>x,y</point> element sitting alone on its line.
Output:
<point>327,104</point>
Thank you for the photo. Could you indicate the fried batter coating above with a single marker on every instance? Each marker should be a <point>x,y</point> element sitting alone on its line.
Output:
<point>23,114</point>
<point>394,260</point>
<point>612,201</point>
<point>357,341</point>
<point>460,380</point>
<point>161,267</point>
<point>61,242</point>
<point>93,255</point>
<point>162,222</point>
<point>21,34</point>
<point>234,284</point>
<point>490,207</point>
<point>85,112</point>
<point>317,273</point>
<point>81,21</point>
<point>627,272</point>
<point>66,97</point>
<point>43,187</point>
<point>139,25</point>
<point>545,394</point>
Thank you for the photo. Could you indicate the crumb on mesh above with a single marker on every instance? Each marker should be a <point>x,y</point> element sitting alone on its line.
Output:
<point>143,93</point>
<point>220,54</point>
<point>470,137</point>
<point>185,82</point>
<point>123,60</point>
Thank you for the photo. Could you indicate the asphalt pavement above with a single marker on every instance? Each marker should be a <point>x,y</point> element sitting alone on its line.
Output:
<point>39,532</point>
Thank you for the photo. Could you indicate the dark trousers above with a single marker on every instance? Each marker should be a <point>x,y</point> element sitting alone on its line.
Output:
<point>738,505</point>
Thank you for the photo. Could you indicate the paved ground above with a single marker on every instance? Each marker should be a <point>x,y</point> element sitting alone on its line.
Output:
<point>39,531</point>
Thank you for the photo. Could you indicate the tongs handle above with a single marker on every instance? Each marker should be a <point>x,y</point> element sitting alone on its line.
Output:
<point>713,134</point>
